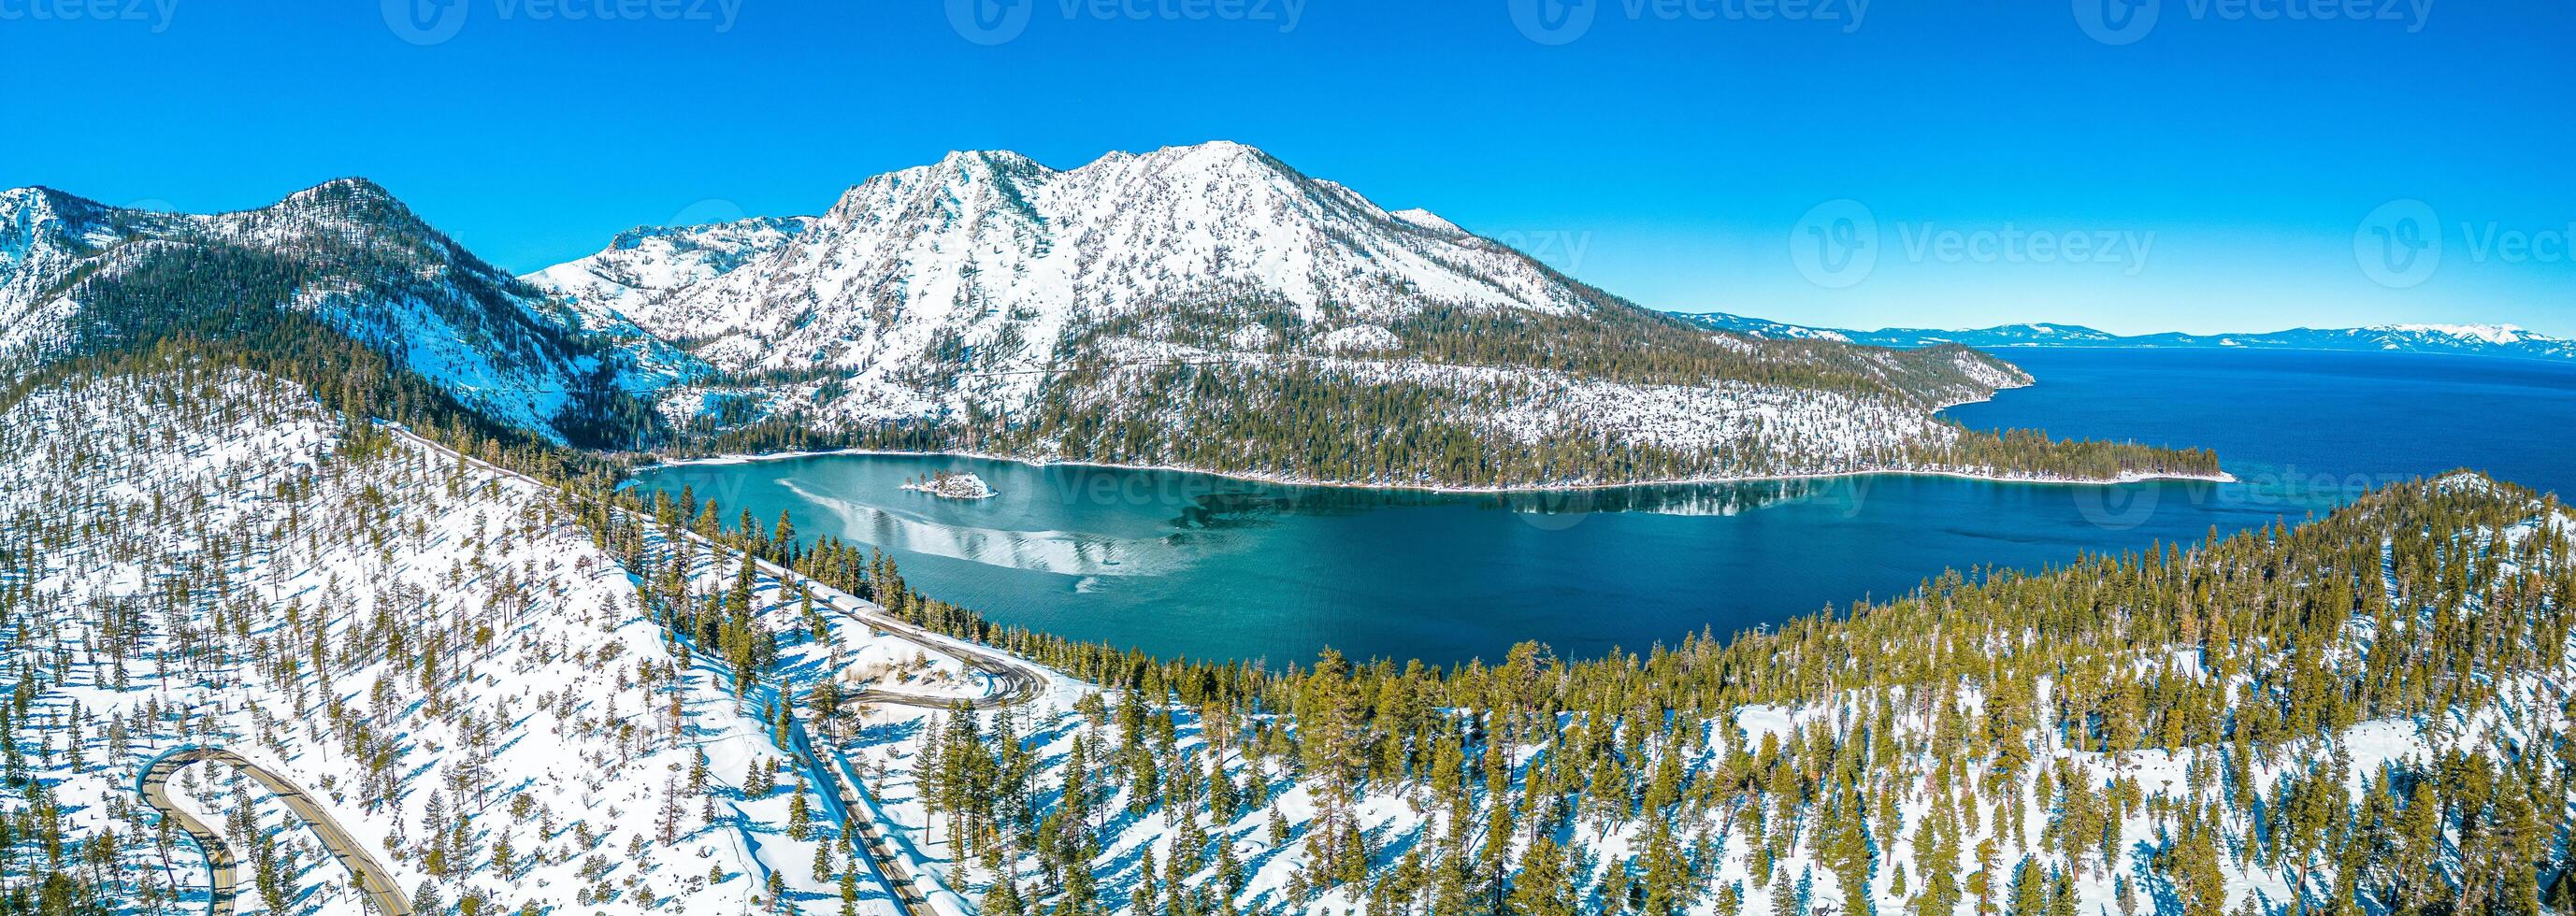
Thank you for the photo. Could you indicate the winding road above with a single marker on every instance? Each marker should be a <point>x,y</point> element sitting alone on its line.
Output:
<point>1014,681</point>
<point>223,867</point>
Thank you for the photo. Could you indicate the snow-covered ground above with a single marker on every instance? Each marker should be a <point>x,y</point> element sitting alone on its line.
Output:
<point>425,644</point>
<point>435,650</point>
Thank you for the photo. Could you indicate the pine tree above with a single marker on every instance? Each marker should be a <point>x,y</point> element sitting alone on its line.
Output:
<point>1543,886</point>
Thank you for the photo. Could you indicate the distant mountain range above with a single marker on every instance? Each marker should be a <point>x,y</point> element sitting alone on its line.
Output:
<point>1211,307</point>
<point>2467,339</point>
<point>1204,307</point>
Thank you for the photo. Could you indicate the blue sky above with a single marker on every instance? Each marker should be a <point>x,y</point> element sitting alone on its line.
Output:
<point>2150,165</point>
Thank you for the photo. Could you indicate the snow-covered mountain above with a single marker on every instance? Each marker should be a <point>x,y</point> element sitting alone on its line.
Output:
<point>1165,307</point>
<point>649,262</point>
<point>80,277</point>
<point>1204,307</point>
<point>2465,339</point>
<point>988,262</point>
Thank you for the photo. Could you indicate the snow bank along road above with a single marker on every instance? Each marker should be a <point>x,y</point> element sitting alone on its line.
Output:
<point>374,883</point>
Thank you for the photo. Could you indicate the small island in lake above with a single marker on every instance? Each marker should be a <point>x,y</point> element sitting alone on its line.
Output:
<point>952,486</point>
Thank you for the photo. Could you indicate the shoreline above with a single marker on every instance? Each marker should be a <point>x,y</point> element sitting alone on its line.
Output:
<point>1446,489</point>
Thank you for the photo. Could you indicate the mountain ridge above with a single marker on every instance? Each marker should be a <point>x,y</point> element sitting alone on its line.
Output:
<point>79,278</point>
<point>2499,340</point>
<point>1202,307</point>
<point>986,302</point>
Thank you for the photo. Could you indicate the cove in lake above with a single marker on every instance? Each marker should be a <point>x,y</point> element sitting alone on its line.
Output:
<point>1209,567</point>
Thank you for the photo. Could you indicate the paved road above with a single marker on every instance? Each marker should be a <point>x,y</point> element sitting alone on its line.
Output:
<point>374,882</point>
<point>1015,682</point>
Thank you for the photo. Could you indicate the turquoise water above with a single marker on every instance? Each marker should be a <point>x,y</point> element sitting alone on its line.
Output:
<point>1189,564</point>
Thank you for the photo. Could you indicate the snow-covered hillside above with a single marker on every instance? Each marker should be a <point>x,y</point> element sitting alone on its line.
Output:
<point>521,698</point>
<point>974,273</point>
<point>1166,308</point>
<point>648,263</point>
<point>1163,308</point>
<point>45,237</point>
<point>989,259</point>
<point>78,276</point>
<point>426,645</point>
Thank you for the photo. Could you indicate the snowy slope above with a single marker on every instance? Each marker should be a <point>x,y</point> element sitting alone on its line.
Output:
<point>436,651</point>
<point>426,645</point>
<point>45,238</point>
<point>1949,796</point>
<point>651,262</point>
<point>1020,307</point>
<point>989,260</point>
<point>344,252</point>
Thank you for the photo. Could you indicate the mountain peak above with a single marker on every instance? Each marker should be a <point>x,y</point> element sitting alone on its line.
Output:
<point>2497,334</point>
<point>1216,155</point>
<point>987,160</point>
<point>695,235</point>
<point>1427,220</point>
<point>349,189</point>
<point>349,202</point>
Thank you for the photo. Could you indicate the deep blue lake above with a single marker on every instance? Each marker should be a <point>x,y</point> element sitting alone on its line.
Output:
<point>1189,564</point>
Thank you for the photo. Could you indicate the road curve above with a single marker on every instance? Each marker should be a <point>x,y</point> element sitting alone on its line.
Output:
<point>1016,681</point>
<point>374,882</point>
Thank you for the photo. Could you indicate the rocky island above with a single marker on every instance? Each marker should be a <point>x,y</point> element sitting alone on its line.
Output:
<point>952,486</point>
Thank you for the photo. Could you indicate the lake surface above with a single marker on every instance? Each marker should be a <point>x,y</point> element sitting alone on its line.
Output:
<point>1190,564</point>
